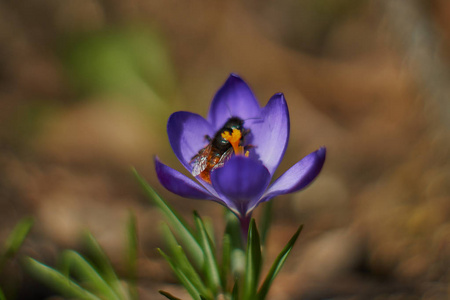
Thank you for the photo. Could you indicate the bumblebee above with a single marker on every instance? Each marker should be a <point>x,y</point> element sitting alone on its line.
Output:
<point>228,139</point>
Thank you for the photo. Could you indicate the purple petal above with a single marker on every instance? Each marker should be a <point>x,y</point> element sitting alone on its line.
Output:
<point>234,99</point>
<point>298,176</point>
<point>179,184</point>
<point>271,135</point>
<point>240,183</point>
<point>187,135</point>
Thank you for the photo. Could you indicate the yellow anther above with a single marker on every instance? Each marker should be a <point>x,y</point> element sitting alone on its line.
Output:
<point>235,136</point>
<point>234,140</point>
<point>226,135</point>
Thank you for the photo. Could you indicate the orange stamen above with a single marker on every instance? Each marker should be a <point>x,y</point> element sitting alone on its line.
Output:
<point>234,140</point>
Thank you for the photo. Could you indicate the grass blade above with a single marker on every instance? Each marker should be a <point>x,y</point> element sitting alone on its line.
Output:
<point>182,262</point>
<point>233,229</point>
<point>212,270</point>
<point>235,292</point>
<point>132,255</point>
<point>168,295</point>
<point>74,261</point>
<point>15,239</point>
<point>226,260</point>
<point>277,265</point>
<point>253,262</point>
<point>192,290</point>
<point>104,265</point>
<point>266,220</point>
<point>184,232</point>
<point>57,280</point>
<point>210,230</point>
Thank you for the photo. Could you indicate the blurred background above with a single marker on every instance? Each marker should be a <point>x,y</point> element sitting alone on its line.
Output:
<point>87,86</point>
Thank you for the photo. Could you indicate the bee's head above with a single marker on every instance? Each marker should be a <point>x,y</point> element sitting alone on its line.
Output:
<point>233,133</point>
<point>234,123</point>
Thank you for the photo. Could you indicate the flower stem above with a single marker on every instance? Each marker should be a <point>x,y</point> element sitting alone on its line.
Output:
<point>245,223</point>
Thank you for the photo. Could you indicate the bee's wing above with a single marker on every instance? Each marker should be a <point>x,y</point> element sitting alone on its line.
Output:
<point>224,158</point>
<point>200,161</point>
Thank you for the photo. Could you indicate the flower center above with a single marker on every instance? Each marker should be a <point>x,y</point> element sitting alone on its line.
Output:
<point>234,139</point>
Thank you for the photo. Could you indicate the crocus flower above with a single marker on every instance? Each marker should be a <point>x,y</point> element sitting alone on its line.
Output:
<point>242,181</point>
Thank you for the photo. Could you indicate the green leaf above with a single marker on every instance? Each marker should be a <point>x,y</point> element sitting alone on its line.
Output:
<point>180,227</point>
<point>233,229</point>
<point>181,261</point>
<point>235,292</point>
<point>209,229</point>
<point>168,296</point>
<point>266,220</point>
<point>192,290</point>
<point>253,262</point>
<point>211,268</point>
<point>2,296</point>
<point>132,255</point>
<point>226,256</point>
<point>277,265</point>
<point>15,239</point>
<point>74,261</point>
<point>58,281</point>
<point>104,265</point>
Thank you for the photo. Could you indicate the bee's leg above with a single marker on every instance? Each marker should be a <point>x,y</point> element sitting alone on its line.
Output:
<point>208,138</point>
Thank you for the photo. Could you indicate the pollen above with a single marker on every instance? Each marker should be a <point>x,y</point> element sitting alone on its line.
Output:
<point>234,138</point>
